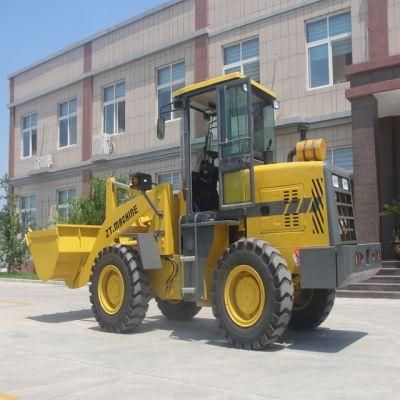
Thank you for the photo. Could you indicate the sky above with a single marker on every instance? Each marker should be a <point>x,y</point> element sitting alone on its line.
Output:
<point>31,30</point>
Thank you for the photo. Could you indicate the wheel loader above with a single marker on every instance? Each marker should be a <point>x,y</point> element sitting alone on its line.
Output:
<point>265,244</point>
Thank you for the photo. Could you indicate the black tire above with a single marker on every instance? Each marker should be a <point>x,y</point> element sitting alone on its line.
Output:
<point>136,293</point>
<point>311,307</point>
<point>178,311</point>
<point>277,283</point>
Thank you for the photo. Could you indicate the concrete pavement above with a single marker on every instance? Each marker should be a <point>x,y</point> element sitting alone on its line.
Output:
<point>51,348</point>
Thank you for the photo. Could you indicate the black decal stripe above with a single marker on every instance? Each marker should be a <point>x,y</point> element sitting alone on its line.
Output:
<point>292,207</point>
<point>321,193</point>
<point>317,209</point>
<point>305,205</point>
<point>315,226</point>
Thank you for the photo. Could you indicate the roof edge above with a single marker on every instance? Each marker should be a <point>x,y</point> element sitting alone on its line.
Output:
<point>96,35</point>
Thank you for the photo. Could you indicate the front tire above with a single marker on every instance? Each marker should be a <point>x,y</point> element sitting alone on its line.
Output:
<point>178,310</point>
<point>252,294</point>
<point>311,308</point>
<point>119,289</point>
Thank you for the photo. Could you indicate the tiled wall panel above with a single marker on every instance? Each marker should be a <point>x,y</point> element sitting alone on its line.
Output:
<point>166,25</point>
<point>49,74</point>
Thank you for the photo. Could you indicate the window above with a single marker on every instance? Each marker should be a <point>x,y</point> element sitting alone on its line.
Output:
<point>28,210</point>
<point>63,199</point>
<point>170,79</point>
<point>114,108</point>
<point>29,135</point>
<point>329,49</point>
<point>243,57</point>
<point>171,177</point>
<point>341,157</point>
<point>67,123</point>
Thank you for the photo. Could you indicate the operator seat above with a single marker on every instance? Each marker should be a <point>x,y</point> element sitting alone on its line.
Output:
<point>204,187</point>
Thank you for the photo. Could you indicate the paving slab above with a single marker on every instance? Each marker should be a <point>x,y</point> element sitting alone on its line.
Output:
<point>52,348</point>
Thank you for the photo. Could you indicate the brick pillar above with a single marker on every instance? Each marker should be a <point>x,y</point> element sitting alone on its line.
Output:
<point>201,58</point>
<point>366,195</point>
<point>11,143</point>
<point>378,29</point>
<point>87,117</point>
<point>201,43</point>
<point>87,104</point>
<point>86,176</point>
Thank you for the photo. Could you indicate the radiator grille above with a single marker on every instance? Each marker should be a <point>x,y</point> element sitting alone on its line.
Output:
<point>345,215</point>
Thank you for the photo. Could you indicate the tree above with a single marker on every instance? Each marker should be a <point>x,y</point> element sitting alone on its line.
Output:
<point>90,210</point>
<point>393,209</point>
<point>13,248</point>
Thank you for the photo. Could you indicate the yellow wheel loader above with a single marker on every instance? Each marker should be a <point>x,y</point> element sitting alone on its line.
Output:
<point>264,244</point>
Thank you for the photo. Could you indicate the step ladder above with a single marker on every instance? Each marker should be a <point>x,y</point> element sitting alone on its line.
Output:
<point>196,232</point>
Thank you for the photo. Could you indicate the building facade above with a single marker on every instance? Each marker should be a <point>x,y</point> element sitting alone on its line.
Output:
<point>91,109</point>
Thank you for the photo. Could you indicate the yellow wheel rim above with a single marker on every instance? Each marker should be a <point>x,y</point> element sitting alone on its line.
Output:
<point>111,289</point>
<point>244,295</point>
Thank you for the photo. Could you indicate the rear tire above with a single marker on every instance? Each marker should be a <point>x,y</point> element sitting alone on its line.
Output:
<point>252,294</point>
<point>178,311</point>
<point>311,308</point>
<point>119,289</point>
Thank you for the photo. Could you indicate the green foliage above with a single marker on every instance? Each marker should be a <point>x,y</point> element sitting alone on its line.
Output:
<point>393,208</point>
<point>90,210</point>
<point>13,248</point>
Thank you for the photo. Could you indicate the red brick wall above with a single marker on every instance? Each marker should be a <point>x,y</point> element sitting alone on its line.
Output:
<point>11,145</point>
<point>378,29</point>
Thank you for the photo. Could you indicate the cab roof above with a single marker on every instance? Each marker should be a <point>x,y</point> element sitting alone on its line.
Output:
<point>218,80</point>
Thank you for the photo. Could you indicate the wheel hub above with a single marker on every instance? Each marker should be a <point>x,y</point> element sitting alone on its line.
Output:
<point>111,289</point>
<point>244,295</point>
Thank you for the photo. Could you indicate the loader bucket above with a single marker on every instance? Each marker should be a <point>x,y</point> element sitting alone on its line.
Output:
<point>60,253</point>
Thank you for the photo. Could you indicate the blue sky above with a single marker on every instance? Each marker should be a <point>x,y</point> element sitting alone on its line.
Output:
<point>31,30</point>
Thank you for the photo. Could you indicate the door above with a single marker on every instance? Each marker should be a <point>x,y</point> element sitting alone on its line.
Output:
<point>235,138</point>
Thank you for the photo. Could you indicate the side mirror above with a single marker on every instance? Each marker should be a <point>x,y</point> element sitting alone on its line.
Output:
<point>160,128</point>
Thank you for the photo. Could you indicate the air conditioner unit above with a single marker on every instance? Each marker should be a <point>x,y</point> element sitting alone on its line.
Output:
<point>43,162</point>
<point>102,145</point>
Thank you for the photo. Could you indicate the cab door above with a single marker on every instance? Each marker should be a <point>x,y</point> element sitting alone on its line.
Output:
<point>235,138</point>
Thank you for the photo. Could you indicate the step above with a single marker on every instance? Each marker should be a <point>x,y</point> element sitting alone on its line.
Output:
<point>188,258</point>
<point>379,287</point>
<point>188,290</point>
<point>391,264</point>
<point>388,272</point>
<point>367,294</point>
<point>384,279</point>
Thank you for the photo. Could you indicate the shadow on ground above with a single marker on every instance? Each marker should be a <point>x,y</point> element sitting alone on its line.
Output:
<point>322,340</point>
<point>63,316</point>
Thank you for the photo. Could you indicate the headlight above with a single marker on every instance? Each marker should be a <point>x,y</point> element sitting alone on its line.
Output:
<point>345,183</point>
<point>335,181</point>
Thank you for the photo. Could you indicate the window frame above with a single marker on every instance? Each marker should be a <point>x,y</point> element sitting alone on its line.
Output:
<point>114,101</point>
<point>328,40</point>
<point>66,205</point>
<point>30,135</point>
<point>171,173</point>
<point>240,63</point>
<point>69,115</point>
<point>28,211</point>
<point>169,85</point>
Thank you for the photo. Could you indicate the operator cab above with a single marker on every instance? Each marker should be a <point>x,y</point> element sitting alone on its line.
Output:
<point>229,128</point>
